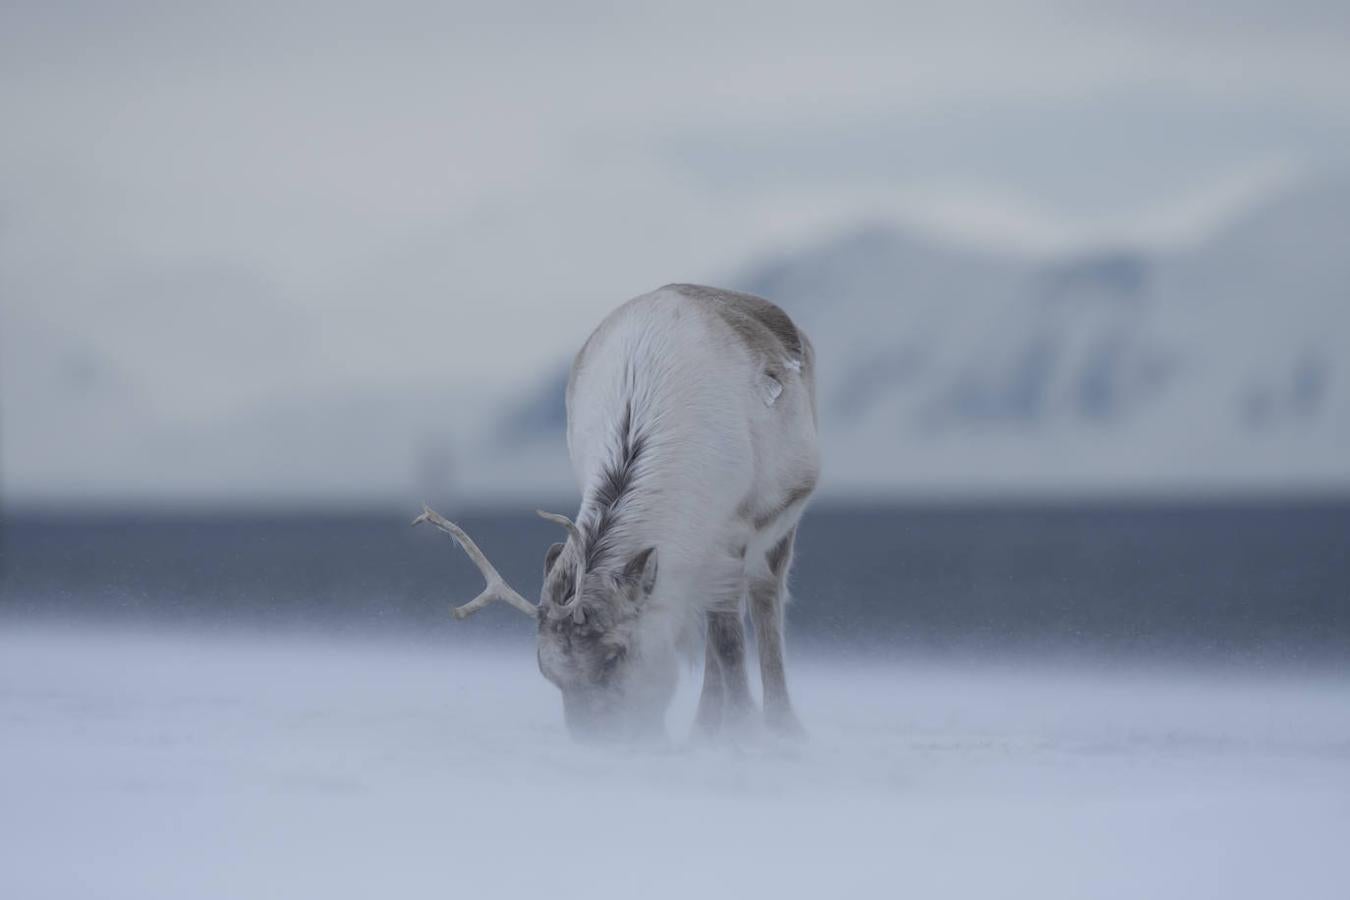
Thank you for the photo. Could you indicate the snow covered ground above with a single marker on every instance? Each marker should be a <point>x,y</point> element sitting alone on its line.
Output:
<point>171,766</point>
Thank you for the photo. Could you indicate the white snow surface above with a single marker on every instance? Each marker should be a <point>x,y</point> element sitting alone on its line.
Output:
<point>178,766</point>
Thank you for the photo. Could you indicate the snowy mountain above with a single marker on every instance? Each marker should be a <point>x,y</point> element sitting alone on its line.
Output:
<point>947,369</point>
<point>943,369</point>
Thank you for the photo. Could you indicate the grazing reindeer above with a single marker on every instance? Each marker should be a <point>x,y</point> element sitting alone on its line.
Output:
<point>691,425</point>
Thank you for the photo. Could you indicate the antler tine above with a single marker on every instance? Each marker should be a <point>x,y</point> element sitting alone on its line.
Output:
<point>497,588</point>
<point>571,607</point>
<point>565,522</point>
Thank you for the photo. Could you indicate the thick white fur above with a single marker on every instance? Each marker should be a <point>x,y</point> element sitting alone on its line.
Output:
<point>718,459</point>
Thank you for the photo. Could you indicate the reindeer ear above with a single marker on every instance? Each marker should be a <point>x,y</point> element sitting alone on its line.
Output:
<point>551,557</point>
<point>642,569</point>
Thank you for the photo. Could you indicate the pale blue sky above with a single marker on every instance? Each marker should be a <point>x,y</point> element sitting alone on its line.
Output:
<point>218,203</point>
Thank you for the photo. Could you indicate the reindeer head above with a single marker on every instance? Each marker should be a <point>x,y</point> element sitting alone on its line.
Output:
<point>615,679</point>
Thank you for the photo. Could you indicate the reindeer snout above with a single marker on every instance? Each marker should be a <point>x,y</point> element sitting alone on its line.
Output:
<point>597,716</point>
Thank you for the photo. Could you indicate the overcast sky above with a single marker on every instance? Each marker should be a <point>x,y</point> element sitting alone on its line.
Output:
<point>220,204</point>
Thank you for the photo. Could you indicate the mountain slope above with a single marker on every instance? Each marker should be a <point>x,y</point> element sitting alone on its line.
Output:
<point>946,369</point>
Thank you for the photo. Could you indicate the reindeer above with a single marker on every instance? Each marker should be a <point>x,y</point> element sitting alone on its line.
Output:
<point>691,427</point>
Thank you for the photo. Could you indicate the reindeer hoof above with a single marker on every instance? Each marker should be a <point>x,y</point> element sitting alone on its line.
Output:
<point>785,724</point>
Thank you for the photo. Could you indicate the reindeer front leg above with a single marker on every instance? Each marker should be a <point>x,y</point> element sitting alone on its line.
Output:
<point>709,717</point>
<point>726,639</point>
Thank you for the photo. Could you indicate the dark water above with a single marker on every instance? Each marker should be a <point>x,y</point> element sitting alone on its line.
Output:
<point>1225,581</point>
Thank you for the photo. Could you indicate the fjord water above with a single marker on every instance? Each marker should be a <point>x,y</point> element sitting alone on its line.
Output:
<point>1221,581</point>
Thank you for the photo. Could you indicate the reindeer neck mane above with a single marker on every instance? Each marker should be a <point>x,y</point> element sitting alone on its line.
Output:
<point>608,503</point>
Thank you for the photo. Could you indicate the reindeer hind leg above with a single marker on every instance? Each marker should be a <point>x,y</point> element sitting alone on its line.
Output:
<point>768,598</point>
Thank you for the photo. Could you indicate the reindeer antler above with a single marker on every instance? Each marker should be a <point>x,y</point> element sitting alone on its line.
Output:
<point>572,607</point>
<point>497,588</point>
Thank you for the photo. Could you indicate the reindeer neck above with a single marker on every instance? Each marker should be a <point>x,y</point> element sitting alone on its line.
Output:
<point>609,506</point>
